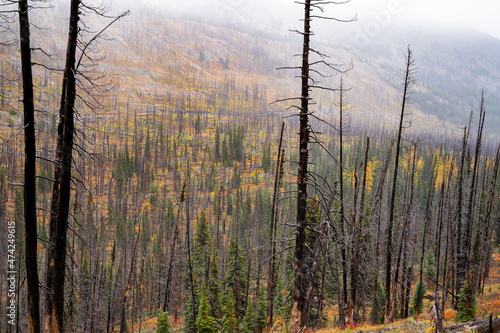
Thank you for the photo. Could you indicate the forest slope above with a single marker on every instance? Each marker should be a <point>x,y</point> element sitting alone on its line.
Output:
<point>156,57</point>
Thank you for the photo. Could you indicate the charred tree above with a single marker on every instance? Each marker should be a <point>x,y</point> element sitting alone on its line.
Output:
<point>29,172</point>
<point>271,276</point>
<point>170,269</point>
<point>410,70</point>
<point>428,216</point>
<point>190,263</point>
<point>342,210</point>
<point>123,320</point>
<point>297,319</point>
<point>472,194</point>
<point>460,254</point>
<point>356,248</point>
<point>62,185</point>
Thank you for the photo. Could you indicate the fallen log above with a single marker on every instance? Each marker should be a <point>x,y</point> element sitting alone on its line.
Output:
<point>489,325</point>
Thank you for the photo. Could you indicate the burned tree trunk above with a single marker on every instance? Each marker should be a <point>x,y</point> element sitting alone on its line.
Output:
<point>461,257</point>
<point>172,253</point>
<point>428,216</point>
<point>62,185</point>
<point>272,238</point>
<point>472,194</point>
<point>356,248</point>
<point>388,268</point>
<point>342,211</point>
<point>29,172</point>
<point>190,263</point>
<point>297,319</point>
<point>403,244</point>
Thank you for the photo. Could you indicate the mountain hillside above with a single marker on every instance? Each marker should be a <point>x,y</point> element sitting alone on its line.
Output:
<point>154,57</point>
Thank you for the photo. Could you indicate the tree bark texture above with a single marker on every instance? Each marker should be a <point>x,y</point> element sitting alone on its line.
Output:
<point>297,320</point>
<point>29,172</point>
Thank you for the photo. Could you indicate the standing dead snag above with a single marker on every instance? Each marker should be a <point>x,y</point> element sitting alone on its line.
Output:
<point>29,172</point>
<point>342,211</point>
<point>472,195</point>
<point>356,248</point>
<point>297,320</point>
<point>460,264</point>
<point>298,317</point>
<point>62,185</point>
<point>61,191</point>
<point>409,80</point>
<point>168,289</point>
<point>271,283</point>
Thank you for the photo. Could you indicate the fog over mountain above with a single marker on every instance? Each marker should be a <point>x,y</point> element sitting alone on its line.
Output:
<point>455,58</point>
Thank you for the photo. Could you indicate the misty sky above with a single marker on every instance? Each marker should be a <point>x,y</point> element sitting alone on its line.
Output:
<point>482,14</point>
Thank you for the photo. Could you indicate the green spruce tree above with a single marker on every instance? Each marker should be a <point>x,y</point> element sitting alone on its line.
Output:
<point>248,324</point>
<point>163,322</point>
<point>230,320</point>
<point>205,323</point>
<point>189,322</point>
<point>262,309</point>
<point>213,286</point>
<point>201,247</point>
<point>418,298</point>
<point>467,304</point>
<point>236,277</point>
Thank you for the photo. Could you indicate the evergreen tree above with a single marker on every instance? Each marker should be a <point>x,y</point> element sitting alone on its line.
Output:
<point>229,208</point>
<point>467,304</point>
<point>248,324</point>
<point>418,298</point>
<point>377,312</point>
<point>262,310</point>
<point>281,309</point>
<point>201,247</point>
<point>236,277</point>
<point>266,158</point>
<point>230,321</point>
<point>430,267</point>
<point>163,322</point>
<point>205,323</point>
<point>190,323</point>
<point>213,286</point>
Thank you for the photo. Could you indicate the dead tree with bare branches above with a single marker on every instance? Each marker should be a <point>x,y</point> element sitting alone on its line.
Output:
<point>408,82</point>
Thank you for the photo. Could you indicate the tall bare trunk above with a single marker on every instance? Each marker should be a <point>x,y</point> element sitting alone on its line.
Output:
<point>170,268</point>
<point>123,321</point>
<point>356,248</point>
<point>428,216</point>
<point>461,257</point>
<point>297,320</point>
<point>388,268</point>
<point>29,172</point>
<point>401,259</point>
<point>487,234</point>
<point>342,210</point>
<point>272,238</point>
<point>472,194</point>
<point>61,193</point>
<point>190,263</point>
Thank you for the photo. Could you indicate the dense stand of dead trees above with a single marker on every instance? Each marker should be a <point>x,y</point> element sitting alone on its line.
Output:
<point>341,229</point>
